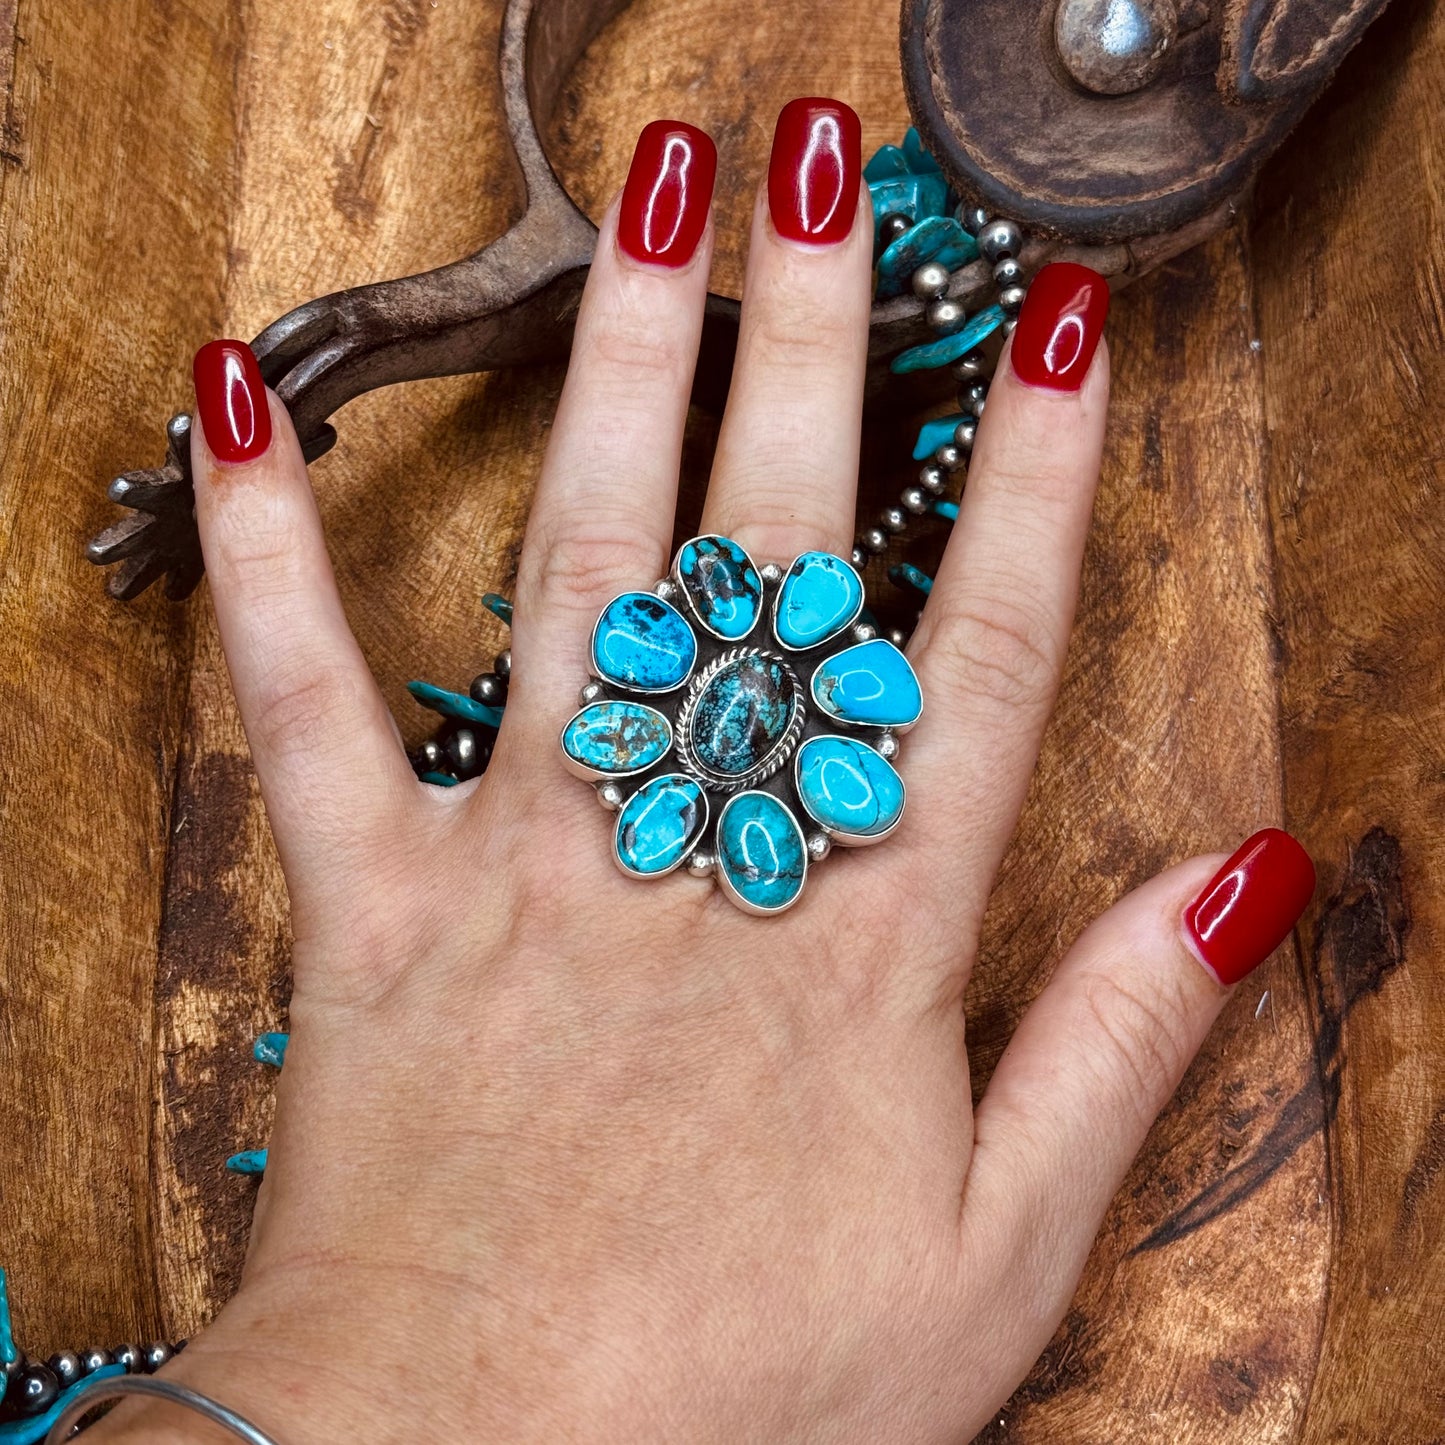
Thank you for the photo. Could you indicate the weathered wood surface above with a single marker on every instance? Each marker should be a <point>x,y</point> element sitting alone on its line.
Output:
<point>1260,638</point>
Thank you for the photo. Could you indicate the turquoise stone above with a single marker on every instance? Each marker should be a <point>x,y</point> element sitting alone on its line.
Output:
<point>642,642</point>
<point>947,510</point>
<point>820,595</point>
<point>848,789</point>
<point>455,704</point>
<point>742,714</point>
<point>248,1161</point>
<point>721,585</point>
<point>905,574</point>
<point>871,684</point>
<point>658,825</point>
<point>616,738</point>
<point>934,238</point>
<point>761,857</point>
<point>911,196</point>
<point>936,433</point>
<point>918,158</point>
<point>271,1049</point>
<point>949,348</point>
<point>885,163</point>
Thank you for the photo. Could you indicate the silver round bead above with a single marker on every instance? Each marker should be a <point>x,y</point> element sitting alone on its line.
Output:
<point>931,478</point>
<point>965,432</point>
<point>430,754</point>
<point>1008,272</point>
<point>700,863</point>
<point>968,366</point>
<point>930,280</point>
<point>969,396</point>
<point>94,1359</point>
<point>859,556</point>
<point>771,573</point>
<point>948,457</point>
<point>892,226</point>
<point>1008,326</point>
<point>864,632</point>
<point>898,637</point>
<point>610,796</point>
<point>502,664</point>
<point>915,499</point>
<point>488,689</point>
<point>972,218</point>
<point>65,1366</point>
<point>999,240</point>
<point>157,1353</point>
<point>461,751</point>
<point>819,846</point>
<point>591,692</point>
<point>978,407</point>
<point>1011,298</point>
<point>945,315</point>
<point>887,746</point>
<point>666,588</point>
<point>894,519</point>
<point>129,1356</point>
<point>875,539</point>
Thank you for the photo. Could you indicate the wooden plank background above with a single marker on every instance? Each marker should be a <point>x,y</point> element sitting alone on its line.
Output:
<point>1260,640</point>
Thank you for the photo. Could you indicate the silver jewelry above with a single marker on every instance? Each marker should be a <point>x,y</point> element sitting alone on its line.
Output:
<point>88,1396</point>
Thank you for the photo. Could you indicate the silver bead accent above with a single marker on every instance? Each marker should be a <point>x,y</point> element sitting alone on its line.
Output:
<point>461,750</point>
<point>964,433</point>
<point>502,664</point>
<point>929,281</point>
<point>488,689</point>
<point>972,218</point>
<point>1008,326</point>
<point>969,396</point>
<point>819,846</point>
<point>94,1359</point>
<point>700,863</point>
<point>945,315</point>
<point>864,632</point>
<point>859,556</point>
<point>65,1366</point>
<point>875,539</point>
<point>610,796</point>
<point>129,1356</point>
<point>978,407</point>
<point>771,573</point>
<point>888,746</point>
<point>1008,272</point>
<point>894,519</point>
<point>916,500</point>
<point>999,240</point>
<point>666,588</point>
<point>157,1353</point>
<point>1011,298</point>
<point>948,457</point>
<point>898,637</point>
<point>968,366</point>
<point>931,478</point>
<point>591,692</point>
<point>892,226</point>
<point>430,752</point>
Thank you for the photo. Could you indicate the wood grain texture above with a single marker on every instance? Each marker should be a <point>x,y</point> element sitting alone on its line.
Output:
<point>1259,638</point>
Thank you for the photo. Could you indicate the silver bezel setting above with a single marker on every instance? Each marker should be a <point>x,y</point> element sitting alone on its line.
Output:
<point>782,750</point>
<point>601,775</point>
<point>848,723</point>
<point>839,836</point>
<point>736,898</point>
<point>604,678</point>
<point>778,597</point>
<point>686,852</point>
<point>692,613</point>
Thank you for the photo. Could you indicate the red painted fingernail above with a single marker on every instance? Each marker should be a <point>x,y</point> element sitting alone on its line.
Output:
<point>1059,326</point>
<point>1250,905</point>
<point>669,189</point>
<point>231,400</point>
<point>814,171</point>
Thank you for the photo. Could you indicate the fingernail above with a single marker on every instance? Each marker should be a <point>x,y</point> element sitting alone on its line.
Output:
<point>814,171</point>
<point>1250,905</point>
<point>669,189</point>
<point>231,400</point>
<point>1059,326</point>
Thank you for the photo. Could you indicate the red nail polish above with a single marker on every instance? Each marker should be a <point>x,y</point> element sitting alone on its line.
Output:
<point>1250,905</point>
<point>814,171</point>
<point>231,400</point>
<point>669,189</point>
<point>1059,326</point>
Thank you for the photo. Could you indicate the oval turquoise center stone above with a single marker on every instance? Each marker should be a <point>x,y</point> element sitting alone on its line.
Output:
<point>848,788</point>
<point>617,737</point>
<point>760,852</point>
<point>722,586</point>
<point>820,595</point>
<point>658,825</point>
<point>871,684</point>
<point>741,714</point>
<point>642,642</point>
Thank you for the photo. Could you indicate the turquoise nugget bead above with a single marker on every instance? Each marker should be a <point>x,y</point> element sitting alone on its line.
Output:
<point>936,433</point>
<point>820,595</point>
<point>871,684</point>
<point>658,825</point>
<point>935,238</point>
<point>642,642</point>
<point>950,348</point>
<point>761,856</point>
<point>850,790</point>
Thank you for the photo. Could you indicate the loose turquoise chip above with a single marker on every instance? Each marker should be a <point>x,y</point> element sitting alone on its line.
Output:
<point>741,715</point>
<point>455,705</point>
<point>905,574</point>
<point>271,1049</point>
<point>885,163</point>
<point>934,238</point>
<point>917,157</point>
<point>762,859</point>
<point>613,739</point>
<point>947,510</point>
<point>849,789</point>
<point>658,825</point>
<point>870,684</point>
<point>949,348</point>
<point>643,642</point>
<point>820,596</point>
<point>248,1161</point>
<point>721,585</point>
<point>499,607</point>
<point>911,196</point>
<point>936,433</point>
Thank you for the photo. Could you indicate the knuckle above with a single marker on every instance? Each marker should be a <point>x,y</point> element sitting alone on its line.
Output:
<point>801,332</point>
<point>1147,1036</point>
<point>1001,650</point>
<point>298,709</point>
<point>588,560</point>
<point>629,349</point>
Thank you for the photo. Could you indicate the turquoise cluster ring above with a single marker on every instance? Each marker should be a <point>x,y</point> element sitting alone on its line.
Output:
<point>743,720</point>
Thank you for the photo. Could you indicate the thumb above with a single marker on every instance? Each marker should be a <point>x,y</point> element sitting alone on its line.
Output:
<point>1106,1043</point>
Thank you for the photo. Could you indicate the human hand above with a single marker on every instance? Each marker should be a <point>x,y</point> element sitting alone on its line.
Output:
<point>562,1155</point>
